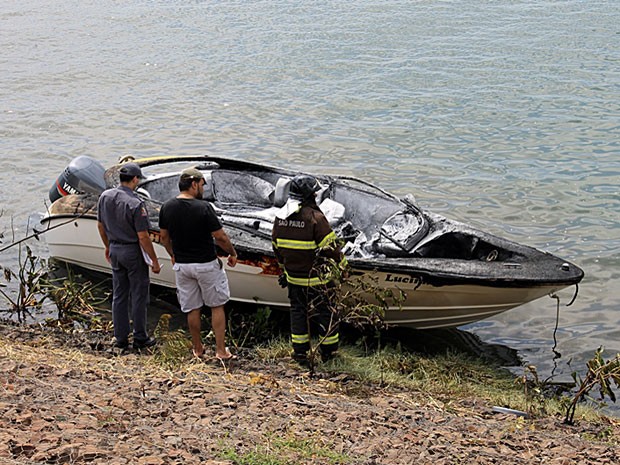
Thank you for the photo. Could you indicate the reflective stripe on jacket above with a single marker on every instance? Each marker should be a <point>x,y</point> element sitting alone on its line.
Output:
<point>304,244</point>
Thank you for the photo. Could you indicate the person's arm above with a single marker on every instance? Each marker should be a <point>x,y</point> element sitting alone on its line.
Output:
<point>166,242</point>
<point>329,244</point>
<point>326,239</point>
<point>147,246</point>
<point>104,239</point>
<point>142,226</point>
<point>274,245</point>
<point>223,241</point>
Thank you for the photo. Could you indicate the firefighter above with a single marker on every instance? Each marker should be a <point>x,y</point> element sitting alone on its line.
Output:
<point>307,249</point>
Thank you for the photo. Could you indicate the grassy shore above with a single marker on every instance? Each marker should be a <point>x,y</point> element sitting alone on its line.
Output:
<point>69,398</point>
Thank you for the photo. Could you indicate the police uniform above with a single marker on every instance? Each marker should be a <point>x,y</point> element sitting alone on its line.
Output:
<point>307,248</point>
<point>123,215</point>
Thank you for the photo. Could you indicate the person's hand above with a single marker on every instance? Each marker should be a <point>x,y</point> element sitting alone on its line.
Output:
<point>232,261</point>
<point>282,281</point>
<point>107,254</point>
<point>156,267</point>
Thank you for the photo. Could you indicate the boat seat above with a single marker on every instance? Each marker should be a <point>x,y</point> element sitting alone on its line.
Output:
<point>333,211</point>
<point>142,192</point>
<point>241,189</point>
<point>209,190</point>
<point>280,195</point>
<point>322,195</point>
<point>283,186</point>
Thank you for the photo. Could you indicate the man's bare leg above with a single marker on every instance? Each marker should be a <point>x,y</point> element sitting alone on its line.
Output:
<point>194,323</point>
<point>218,321</point>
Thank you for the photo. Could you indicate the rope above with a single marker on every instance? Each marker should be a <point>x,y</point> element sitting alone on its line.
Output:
<point>557,354</point>
<point>555,330</point>
<point>36,233</point>
<point>574,296</point>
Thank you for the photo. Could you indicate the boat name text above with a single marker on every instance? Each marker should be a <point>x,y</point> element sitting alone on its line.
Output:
<point>408,279</point>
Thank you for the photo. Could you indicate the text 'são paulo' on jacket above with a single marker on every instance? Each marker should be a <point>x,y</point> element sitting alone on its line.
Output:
<point>306,246</point>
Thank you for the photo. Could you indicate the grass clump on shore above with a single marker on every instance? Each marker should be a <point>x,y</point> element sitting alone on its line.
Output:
<point>444,378</point>
<point>285,451</point>
<point>450,375</point>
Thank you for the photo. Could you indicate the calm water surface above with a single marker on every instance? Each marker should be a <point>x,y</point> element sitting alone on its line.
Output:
<point>505,115</point>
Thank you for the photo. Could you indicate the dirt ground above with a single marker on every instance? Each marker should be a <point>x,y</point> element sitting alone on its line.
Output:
<point>68,399</point>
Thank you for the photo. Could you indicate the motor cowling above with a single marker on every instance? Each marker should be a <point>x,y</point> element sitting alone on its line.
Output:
<point>83,175</point>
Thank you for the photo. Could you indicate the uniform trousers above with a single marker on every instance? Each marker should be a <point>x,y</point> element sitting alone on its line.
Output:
<point>311,305</point>
<point>130,291</point>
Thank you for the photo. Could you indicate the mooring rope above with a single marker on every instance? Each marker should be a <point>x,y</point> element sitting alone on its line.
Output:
<point>574,296</point>
<point>36,233</point>
<point>556,353</point>
<point>557,324</point>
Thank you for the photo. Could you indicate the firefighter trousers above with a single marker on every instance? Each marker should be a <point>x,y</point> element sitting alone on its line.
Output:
<point>310,311</point>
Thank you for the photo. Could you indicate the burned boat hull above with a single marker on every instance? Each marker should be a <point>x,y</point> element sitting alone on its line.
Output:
<point>450,273</point>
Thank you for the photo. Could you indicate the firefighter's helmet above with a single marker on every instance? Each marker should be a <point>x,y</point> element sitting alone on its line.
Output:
<point>304,187</point>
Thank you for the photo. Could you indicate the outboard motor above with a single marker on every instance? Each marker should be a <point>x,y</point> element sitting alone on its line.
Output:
<point>83,175</point>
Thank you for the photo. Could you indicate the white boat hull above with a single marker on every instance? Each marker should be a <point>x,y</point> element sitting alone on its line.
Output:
<point>425,306</point>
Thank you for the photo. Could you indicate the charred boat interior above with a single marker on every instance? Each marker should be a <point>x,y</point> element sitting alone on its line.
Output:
<point>373,223</point>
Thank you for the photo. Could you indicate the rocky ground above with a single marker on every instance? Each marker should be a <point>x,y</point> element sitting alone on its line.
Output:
<point>67,399</point>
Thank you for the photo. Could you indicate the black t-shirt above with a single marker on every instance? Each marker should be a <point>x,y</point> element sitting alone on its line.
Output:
<point>190,223</point>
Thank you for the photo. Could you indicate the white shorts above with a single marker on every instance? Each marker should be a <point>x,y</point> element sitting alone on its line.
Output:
<point>201,283</point>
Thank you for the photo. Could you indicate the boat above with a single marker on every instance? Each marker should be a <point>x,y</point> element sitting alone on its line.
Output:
<point>449,273</point>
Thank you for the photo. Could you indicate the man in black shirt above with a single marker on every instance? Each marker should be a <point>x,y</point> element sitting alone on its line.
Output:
<point>189,231</point>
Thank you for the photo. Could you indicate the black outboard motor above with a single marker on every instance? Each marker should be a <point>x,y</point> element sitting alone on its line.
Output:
<point>83,175</point>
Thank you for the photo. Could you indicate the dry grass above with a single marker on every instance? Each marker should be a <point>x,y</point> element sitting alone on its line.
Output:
<point>64,402</point>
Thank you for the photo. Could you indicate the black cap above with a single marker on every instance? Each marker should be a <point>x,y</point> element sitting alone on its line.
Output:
<point>131,169</point>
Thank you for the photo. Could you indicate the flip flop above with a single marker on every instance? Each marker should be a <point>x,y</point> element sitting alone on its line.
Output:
<point>228,358</point>
<point>199,357</point>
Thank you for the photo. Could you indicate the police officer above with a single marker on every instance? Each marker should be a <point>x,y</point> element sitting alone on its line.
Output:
<point>123,226</point>
<point>307,248</point>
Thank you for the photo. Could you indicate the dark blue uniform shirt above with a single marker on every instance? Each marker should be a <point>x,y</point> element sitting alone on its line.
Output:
<point>123,215</point>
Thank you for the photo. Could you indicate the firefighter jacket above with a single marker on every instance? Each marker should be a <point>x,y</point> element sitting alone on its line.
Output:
<point>306,247</point>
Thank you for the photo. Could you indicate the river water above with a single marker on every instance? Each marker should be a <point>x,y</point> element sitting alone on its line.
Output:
<point>504,114</point>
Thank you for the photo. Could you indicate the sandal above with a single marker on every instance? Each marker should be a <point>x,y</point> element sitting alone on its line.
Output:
<point>228,357</point>
<point>199,356</point>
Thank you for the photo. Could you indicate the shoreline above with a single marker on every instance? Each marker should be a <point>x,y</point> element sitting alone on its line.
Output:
<point>67,401</point>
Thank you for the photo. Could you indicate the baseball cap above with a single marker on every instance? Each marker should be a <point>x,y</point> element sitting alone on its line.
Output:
<point>192,173</point>
<point>131,169</point>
